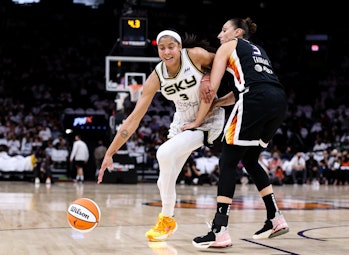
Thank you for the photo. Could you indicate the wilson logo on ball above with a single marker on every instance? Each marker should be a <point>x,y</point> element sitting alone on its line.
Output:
<point>83,215</point>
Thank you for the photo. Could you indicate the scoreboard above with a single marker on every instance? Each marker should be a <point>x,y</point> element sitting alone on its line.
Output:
<point>133,31</point>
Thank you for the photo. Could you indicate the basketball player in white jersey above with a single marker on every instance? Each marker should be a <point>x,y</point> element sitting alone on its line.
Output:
<point>178,77</point>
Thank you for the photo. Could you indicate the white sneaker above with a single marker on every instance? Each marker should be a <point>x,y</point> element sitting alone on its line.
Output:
<point>48,180</point>
<point>37,180</point>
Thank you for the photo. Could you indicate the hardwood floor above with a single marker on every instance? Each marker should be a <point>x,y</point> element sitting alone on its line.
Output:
<point>33,219</point>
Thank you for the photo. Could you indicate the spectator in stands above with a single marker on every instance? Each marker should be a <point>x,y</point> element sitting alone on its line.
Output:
<point>191,175</point>
<point>3,139</point>
<point>154,124</point>
<point>319,147</point>
<point>29,118</point>
<point>20,128</point>
<point>136,148</point>
<point>3,131</point>
<point>208,167</point>
<point>278,176</point>
<point>334,164</point>
<point>98,154</point>
<point>37,142</point>
<point>275,162</point>
<point>27,144</point>
<point>60,157</point>
<point>345,138</point>
<point>145,132</point>
<point>343,177</point>
<point>276,171</point>
<point>324,172</point>
<point>49,148</point>
<point>45,133</point>
<point>60,140</point>
<point>13,144</point>
<point>79,157</point>
<point>151,161</point>
<point>132,143</point>
<point>161,136</point>
<point>42,168</point>
<point>287,154</point>
<point>298,168</point>
<point>325,156</point>
<point>312,166</point>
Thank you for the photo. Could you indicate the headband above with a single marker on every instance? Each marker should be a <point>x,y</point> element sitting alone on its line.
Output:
<point>169,33</point>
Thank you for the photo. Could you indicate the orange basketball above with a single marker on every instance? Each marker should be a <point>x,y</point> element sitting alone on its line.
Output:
<point>83,215</point>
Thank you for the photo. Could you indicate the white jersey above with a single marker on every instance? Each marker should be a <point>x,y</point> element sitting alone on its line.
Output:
<point>184,91</point>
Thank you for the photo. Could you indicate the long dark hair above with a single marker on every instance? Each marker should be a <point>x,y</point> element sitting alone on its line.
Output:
<point>246,24</point>
<point>190,41</point>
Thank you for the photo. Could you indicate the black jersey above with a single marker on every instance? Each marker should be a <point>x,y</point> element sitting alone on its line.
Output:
<point>261,103</point>
<point>250,65</point>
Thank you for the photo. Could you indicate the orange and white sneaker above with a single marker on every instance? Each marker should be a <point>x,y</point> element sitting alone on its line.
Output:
<point>272,228</point>
<point>164,228</point>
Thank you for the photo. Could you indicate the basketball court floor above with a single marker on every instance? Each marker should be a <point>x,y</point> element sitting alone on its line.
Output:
<point>33,219</point>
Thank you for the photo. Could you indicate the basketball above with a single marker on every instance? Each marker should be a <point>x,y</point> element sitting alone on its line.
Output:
<point>83,215</point>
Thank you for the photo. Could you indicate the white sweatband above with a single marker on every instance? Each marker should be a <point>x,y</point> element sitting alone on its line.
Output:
<point>169,33</point>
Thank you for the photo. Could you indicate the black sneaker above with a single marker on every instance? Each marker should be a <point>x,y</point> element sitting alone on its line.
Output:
<point>272,228</point>
<point>220,239</point>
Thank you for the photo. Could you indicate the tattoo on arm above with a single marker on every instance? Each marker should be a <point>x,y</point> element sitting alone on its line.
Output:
<point>124,133</point>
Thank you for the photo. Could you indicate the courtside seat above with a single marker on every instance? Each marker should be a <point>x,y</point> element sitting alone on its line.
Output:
<point>124,170</point>
<point>60,163</point>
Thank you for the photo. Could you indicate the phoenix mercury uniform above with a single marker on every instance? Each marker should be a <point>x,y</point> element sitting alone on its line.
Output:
<point>184,91</point>
<point>255,117</point>
<point>260,107</point>
<point>259,110</point>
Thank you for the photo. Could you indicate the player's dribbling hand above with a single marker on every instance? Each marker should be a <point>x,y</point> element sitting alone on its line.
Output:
<point>106,164</point>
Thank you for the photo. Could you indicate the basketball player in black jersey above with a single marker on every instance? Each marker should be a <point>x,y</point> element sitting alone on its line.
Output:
<point>260,108</point>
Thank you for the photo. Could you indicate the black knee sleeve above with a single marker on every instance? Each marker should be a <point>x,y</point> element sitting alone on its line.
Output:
<point>254,169</point>
<point>227,166</point>
<point>259,176</point>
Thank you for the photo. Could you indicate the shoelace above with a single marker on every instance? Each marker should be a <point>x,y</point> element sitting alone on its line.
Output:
<point>209,224</point>
<point>159,225</point>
